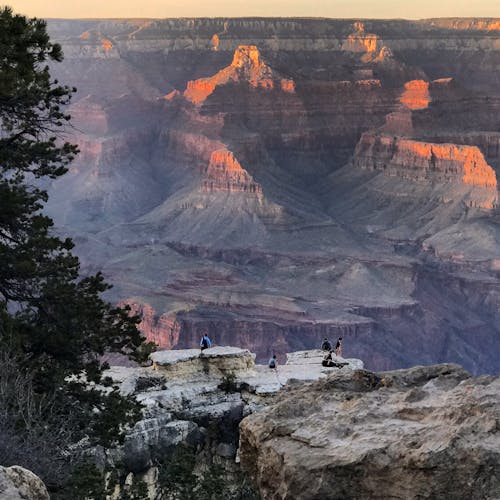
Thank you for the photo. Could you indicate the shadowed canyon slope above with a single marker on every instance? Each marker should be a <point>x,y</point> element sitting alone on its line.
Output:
<point>275,181</point>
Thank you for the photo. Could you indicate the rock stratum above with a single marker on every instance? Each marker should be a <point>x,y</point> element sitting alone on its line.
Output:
<point>271,182</point>
<point>425,432</point>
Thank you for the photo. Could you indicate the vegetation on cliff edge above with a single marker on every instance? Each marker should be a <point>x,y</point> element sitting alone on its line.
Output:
<point>54,325</point>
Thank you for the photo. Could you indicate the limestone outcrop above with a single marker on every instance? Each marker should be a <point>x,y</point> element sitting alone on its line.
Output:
<point>425,432</point>
<point>18,483</point>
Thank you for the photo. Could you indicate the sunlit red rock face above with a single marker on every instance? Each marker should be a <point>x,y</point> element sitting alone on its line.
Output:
<point>424,161</point>
<point>224,173</point>
<point>275,181</point>
<point>462,24</point>
<point>416,95</point>
<point>163,330</point>
<point>247,66</point>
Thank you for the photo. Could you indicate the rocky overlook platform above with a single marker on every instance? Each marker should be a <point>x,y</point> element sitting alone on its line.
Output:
<point>309,432</point>
<point>200,400</point>
<point>305,431</point>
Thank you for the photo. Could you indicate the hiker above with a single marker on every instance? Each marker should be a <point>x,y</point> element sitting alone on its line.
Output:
<point>205,342</point>
<point>326,346</point>
<point>338,347</point>
<point>273,362</point>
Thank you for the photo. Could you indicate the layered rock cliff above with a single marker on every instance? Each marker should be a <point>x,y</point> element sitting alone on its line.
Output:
<point>430,163</point>
<point>224,173</point>
<point>247,67</point>
<point>163,330</point>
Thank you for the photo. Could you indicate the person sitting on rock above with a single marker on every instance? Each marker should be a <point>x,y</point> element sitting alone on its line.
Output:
<point>326,346</point>
<point>205,342</point>
<point>328,360</point>
<point>273,362</point>
<point>338,347</point>
<point>330,363</point>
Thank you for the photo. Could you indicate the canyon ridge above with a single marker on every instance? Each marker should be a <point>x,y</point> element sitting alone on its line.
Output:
<point>272,182</point>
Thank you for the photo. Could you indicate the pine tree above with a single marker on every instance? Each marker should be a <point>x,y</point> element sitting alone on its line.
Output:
<point>53,323</point>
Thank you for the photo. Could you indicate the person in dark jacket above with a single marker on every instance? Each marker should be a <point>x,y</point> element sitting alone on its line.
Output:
<point>273,362</point>
<point>326,346</point>
<point>330,363</point>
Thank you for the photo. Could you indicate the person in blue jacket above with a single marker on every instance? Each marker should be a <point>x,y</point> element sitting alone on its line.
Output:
<point>205,342</point>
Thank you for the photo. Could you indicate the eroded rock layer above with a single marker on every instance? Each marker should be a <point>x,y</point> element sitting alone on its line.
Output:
<point>224,173</point>
<point>422,161</point>
<point>247,66</point>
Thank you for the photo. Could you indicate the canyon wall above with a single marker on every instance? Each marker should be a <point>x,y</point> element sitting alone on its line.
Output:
<point>275,181</point>
<point>224,173</point>
<point>423,161</point>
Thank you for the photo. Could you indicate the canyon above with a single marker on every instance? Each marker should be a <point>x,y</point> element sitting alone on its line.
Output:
<point>271,182</point>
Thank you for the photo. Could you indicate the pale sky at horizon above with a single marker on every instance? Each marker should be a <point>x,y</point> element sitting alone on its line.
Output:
<point>264,8</point>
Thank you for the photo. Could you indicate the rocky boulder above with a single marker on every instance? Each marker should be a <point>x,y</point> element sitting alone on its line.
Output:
<point>17,483</point>
<point>215,361</point>
<point>424,432</point>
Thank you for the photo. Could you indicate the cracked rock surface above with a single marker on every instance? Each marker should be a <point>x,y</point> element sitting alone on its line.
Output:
<point>424,432</point>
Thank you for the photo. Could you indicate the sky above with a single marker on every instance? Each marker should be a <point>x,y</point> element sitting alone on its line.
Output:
<point>416,9</point>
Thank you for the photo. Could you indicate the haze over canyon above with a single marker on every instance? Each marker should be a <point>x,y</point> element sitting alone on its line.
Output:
<point>271,182</point>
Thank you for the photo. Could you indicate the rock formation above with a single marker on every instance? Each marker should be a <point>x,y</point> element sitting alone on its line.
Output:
<point>416,95</point>
<point>360,41</point>
<point>247,66</point>
<point>224,173</point>
<point>427,162</point>
<point>200,401</point>
<point>17,483</point>
<point>163,330</point>
<point>426,432</point>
